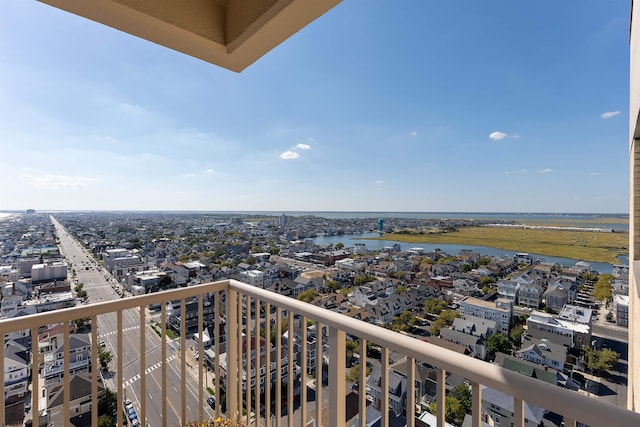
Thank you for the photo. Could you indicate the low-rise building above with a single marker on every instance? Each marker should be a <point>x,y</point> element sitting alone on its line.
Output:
<point>500,311</point>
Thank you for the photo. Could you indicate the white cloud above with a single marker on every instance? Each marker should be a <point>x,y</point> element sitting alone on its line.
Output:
<point>289,155</point>
<point>378,182</point>
<point>609,114</point>
<point>189,175</point>
<point>210,171</point>
<point>497,135</point>
<point>547,170</point>
<point>57,182</point>
<point>414,133</point>
<point>524,170</point>
<point>595,173</point>
<point>303,146</point>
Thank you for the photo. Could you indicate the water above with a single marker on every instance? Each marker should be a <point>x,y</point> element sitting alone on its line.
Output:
<point>350,240</point>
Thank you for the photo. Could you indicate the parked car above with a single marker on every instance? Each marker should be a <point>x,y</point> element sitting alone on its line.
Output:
<point>212,402</point>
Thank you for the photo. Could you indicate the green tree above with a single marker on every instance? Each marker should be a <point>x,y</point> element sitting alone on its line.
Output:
<point>487,280</point>
<point>398,275</point>
<point>333,285</point>
<point>465,268</point>
<point>354,373</point>
<point>165,281</point>
<point>443,321</point>
<point>107,409</point>
<point>361,279</point>
<point>599,360</point>
<point>105,358</point>
<point>339,246</point>
<point>401,290</point>
<point>497,343</point>
<point>516,334</point>
<point>404,322</point>
<point>452,410</point>
<point>462,392</point>
<point>434,306</point>
<point>602,290</point>
<point>308,296</point>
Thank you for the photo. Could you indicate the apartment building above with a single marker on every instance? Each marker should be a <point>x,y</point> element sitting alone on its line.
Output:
<point>500,311</point>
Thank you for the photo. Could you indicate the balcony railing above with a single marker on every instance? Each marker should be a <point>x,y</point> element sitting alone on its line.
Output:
<point>247,310</point>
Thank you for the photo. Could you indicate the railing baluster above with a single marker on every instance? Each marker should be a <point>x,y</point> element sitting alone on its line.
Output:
<point>518,412</point>
<point>66,380</point>
<point>476,405</point>
<point>411,392</point>
<point>232,354</point>
<point>239,354</point>
<point>384,385</point>
<point>248,358</point>
<point>278,345</point>
<point>35,381</point>
<point>440,397</point>
<point>337,362</point>
<point>143,367</point>
<point>200,361</point>
<point>303,373</point>
<point>216,345</point>
<point>567,422</point>
<point>290,369</point>
<point>267,363</point>
<point>183,358</point>
<point>258,367</point>
<point>121,391</point>
<point>319,363</point>
<point>362,384</point>
<point>94,370</point>
<point>163,340</point>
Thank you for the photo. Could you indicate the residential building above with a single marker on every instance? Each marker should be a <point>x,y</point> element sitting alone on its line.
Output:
<point>500,311</point>
<point>498,410</point>
<point>621,303</point>
<point>565,332</point>
<point>543,352</point>
<point>48,272</point>
<point>80,362</point>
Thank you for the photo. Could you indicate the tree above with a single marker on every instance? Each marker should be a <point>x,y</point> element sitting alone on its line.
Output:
<point>105,357</point>
<point>354,373</point>
<point>463,394</point>
<point>333,285</point>
<point>308,296</point>
<point>602,289</point>
<point>452,410</point>
<point>107,409</point>
<point>516,334</point>
<point>434,306</point>
<point>465,268</point>
<point>443,321</point>
<point>599,360</point>
<point>404,322</point>
<point>497,343</point>
<point>339,246</point>
<point>487,280</point>
<point>401,289</point>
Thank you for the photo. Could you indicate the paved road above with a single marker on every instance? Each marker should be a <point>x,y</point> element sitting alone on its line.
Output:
<point>101,286</point>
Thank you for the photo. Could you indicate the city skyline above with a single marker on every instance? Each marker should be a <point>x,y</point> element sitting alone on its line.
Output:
<point>430,108</point>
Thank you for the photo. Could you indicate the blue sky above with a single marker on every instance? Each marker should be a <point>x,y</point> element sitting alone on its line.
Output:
<point>432,106</point>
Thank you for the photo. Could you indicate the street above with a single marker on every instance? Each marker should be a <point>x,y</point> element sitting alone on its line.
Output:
<point>101,286</point>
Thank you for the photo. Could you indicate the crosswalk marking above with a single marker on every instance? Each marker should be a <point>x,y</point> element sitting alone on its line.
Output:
<point>131,328</point>
<point>147,371</point>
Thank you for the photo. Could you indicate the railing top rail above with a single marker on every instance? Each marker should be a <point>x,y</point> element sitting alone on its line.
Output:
<point>568,403</point>
<point>88,310</point>
<point>548,396</point>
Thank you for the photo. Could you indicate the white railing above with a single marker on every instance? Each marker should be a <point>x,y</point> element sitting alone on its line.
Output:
<point>239,303</point>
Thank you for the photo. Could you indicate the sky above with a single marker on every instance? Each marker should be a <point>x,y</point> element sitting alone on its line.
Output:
<point>433,106</point>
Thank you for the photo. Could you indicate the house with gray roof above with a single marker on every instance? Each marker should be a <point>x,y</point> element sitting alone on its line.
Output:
<point>543,352</point>
<point>498,408</point>
<point>79,347</point>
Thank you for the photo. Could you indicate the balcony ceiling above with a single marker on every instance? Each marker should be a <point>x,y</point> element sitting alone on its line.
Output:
<point>229,33</point>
